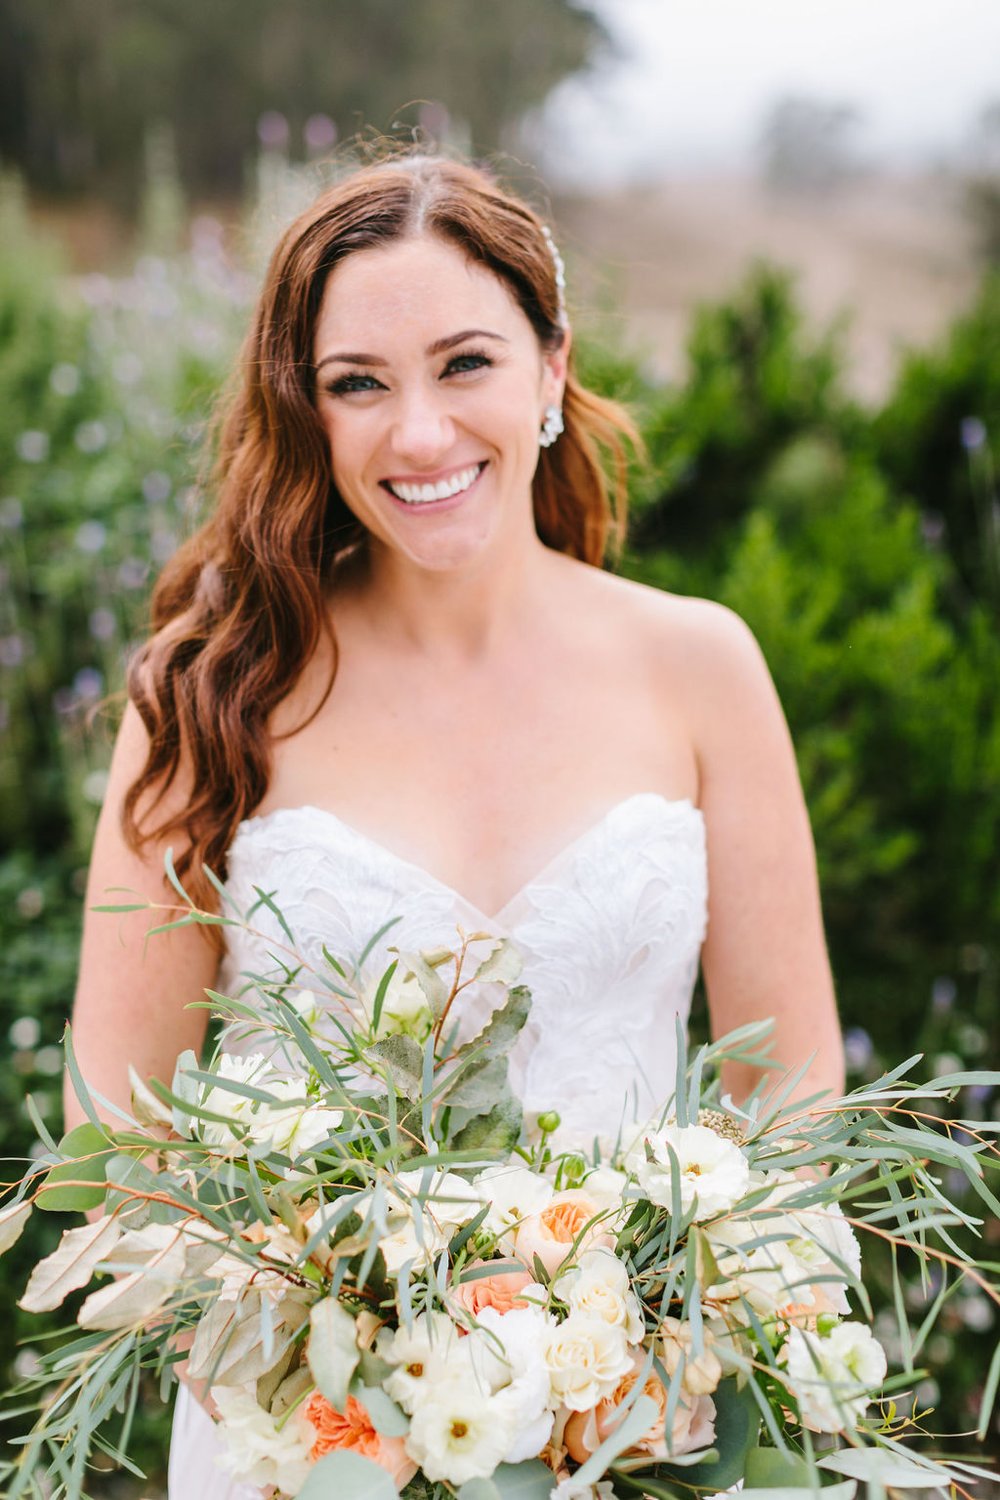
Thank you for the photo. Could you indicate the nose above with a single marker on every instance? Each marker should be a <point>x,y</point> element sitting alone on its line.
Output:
<point>423,430</point>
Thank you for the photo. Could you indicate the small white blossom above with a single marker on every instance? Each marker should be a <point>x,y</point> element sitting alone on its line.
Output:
<point>712,1169</point>
<point>513,1192</point>
<point>421,1355</point>
<point>458,1432</point>
<point>833,1376</point>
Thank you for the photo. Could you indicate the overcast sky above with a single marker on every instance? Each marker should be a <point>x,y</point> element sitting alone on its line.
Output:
<point>700,75</point>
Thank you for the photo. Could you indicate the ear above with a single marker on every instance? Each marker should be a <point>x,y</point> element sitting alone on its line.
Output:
<point>554,369</point>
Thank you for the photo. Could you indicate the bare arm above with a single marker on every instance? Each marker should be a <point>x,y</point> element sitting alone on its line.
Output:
<point>130,1005</point>
<point>765,952</point>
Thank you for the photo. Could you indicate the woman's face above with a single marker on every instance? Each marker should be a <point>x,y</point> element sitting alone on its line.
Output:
<point>432,387</point>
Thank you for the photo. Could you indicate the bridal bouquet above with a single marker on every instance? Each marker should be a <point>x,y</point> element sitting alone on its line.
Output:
<point>382,1280</point>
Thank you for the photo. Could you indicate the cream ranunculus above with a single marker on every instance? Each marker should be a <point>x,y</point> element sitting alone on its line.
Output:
<point>712,1169</point>
<point>257,1450</point>
<point>598,1283</point>
<point>833,1376</point>
<point>513,1192</point>
<point>459,1432</point>
<point>586,1357</point>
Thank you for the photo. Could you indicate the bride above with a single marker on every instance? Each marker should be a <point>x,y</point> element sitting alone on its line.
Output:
<point>389,677</point>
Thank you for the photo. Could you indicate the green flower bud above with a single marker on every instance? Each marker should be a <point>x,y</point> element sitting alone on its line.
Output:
<point>549,1121</point>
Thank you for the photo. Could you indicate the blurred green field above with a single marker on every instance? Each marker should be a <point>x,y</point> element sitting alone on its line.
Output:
<point>862,546</point>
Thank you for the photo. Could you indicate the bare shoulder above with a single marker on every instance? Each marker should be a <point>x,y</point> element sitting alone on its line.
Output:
<point>700,638</point>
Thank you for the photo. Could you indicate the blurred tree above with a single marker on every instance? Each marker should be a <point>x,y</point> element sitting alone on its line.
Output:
<point>806,145</point>
<point>982,184</point>
<point>938,440</point>
<point>81,82</point>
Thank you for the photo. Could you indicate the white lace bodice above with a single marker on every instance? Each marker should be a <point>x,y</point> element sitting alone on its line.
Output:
<point>610,933</point>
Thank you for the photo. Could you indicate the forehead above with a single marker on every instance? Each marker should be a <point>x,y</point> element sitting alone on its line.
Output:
<point>423,285</point>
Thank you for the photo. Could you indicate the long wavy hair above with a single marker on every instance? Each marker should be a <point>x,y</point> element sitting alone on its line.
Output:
<point>239,609</point>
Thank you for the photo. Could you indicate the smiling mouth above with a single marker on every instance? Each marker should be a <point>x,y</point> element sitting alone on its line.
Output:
<point>446,489</point>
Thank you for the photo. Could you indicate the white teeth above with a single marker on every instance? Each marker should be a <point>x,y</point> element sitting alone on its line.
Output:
<point>418,494</point>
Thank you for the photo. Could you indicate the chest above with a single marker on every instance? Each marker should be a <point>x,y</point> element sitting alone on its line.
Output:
<point>482,777</point>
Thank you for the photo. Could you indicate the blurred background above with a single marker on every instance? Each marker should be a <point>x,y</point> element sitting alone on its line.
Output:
<point>781,223</point>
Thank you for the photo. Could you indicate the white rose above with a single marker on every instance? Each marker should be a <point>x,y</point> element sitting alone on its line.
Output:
<point>833,1376</point>
<point>513,1192</point>
<point>770,1277</point>
<point>517,1377</point>
<point>257,1450</point>
<point>819,1236</point>
<point>713,1169</point>
<point>586,1357</point>
<point>422,1356</point>
<point>458,1432</point>
<point>599,1284</point>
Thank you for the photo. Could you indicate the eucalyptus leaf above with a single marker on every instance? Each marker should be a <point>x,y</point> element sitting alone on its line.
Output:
<point>531,1480</point>
<point>386,1416</point>
<point>737,1423</point>
<point>770,1467</point>
<point>403,1059</point>
<point>131,1299</point>
<point>502,966</point>
<point>495,1132</point>
<point>12,1221</point>
<point>505,1024</point>
<point>184,1088</point>
<point>89,1149</point>
<point>891,1470</point>
<point>347,1476</point>
<point>333,1352</point>
<point>844,1491</point>
<point>70,1266</point>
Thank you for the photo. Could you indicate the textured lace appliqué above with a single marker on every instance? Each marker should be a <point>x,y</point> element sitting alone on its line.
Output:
<point>610,933</point>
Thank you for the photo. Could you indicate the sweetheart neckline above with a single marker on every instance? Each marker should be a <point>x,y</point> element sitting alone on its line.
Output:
<point>671,804</point>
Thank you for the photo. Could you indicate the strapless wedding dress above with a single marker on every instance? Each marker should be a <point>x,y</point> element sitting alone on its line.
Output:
<point>610,933</point>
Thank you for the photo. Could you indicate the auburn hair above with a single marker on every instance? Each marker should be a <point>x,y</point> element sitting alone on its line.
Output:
<point>239,609</point>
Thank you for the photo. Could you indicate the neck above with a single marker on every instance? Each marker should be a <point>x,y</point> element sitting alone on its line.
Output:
<point>455,615</point>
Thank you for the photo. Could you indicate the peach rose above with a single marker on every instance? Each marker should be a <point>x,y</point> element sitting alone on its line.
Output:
<point>694,1421</point>
<point>500,1291</point>
<point>352,1428</point>
<point>551,1233</point>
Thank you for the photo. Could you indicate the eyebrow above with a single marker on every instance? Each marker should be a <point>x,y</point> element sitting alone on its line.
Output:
<point>438,347</point>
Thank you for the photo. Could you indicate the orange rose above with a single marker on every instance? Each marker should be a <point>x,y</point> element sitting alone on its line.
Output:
<point>499,1291</point>
<point>694,1421</point>
<point>551,1233</point>
<point>352,1428</point>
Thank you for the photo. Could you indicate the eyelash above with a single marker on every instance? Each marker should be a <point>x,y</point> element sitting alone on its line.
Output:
<point>346,385</point>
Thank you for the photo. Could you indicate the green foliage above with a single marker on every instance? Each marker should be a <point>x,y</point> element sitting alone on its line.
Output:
<point>856,545</point>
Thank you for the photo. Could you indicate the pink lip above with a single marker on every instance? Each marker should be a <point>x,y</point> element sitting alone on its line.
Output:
<point>451,502</point>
